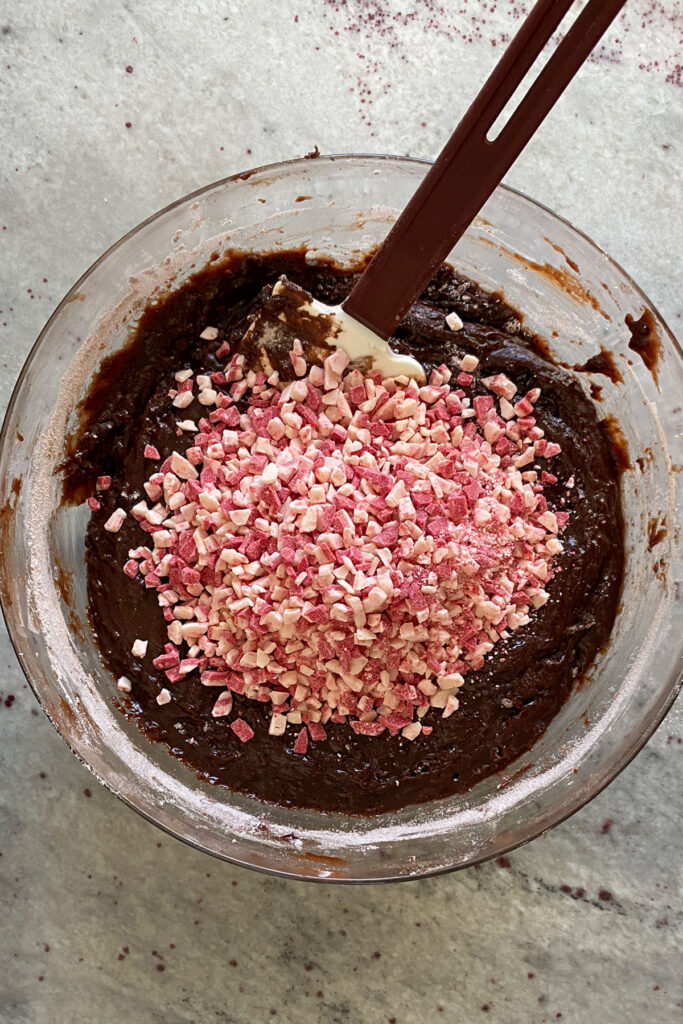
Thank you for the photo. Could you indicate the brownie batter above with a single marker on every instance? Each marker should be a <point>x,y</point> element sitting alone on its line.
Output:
<point>504,707</point>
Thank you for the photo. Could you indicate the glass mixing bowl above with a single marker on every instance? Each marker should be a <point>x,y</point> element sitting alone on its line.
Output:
<point>571,294</point>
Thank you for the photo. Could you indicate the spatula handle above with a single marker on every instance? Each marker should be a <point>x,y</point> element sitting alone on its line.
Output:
<point>470,166</point>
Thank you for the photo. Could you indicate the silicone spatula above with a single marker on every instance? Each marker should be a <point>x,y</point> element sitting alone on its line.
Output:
<point>465,174</point>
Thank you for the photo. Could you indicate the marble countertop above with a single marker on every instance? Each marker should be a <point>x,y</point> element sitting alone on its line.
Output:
<point>110,111</point>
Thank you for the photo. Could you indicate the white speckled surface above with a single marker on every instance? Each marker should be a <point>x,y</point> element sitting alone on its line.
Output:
<point>584,925</point>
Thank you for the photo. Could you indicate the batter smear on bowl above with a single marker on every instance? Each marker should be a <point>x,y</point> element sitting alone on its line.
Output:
<point>327,588</point>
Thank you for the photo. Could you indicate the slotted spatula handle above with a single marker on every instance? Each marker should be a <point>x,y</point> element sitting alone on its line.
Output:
<point>470,166</point>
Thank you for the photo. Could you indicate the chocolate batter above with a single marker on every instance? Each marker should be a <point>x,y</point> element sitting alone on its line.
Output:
<point>504,708</point>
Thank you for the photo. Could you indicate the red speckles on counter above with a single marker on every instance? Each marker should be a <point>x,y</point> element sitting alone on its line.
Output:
<point>384,23</point>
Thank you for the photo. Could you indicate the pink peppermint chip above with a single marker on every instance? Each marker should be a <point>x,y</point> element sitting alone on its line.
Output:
<point>345,548</point>
<point>115,521</point>
<point>223,705</point>
<point>243,731</point>
<point>301,744</point>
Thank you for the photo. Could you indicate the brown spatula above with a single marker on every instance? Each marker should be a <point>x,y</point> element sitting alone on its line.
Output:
<point>453,192</point>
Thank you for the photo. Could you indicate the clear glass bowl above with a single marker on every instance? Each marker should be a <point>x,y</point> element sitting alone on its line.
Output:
<point>341,207</point>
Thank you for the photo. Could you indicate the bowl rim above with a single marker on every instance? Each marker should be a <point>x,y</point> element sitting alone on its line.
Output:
<point>551,820</point>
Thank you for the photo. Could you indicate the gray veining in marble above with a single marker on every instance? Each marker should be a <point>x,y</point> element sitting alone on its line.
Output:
<point>110,110</point>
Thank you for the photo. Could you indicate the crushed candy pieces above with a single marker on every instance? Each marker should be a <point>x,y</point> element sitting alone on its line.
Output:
<point>115,521</point>
<point>344,548</point>
<point>243,731</point>
<point>223,705</point>
<point>469,363</point>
